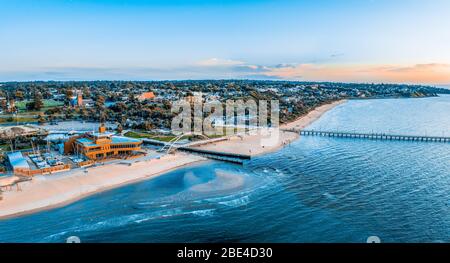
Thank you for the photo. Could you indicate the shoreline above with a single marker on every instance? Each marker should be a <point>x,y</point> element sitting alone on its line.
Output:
<point>20,203</point>
<point>255,144</point>
<point>47,192</point>
<point>312,116</point>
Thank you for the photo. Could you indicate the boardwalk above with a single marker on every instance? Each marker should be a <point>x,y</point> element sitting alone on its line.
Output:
<point>374,136</point>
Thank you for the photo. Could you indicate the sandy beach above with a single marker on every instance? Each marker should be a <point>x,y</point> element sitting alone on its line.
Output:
<point>50,191</point>
<point>312,116</point>
<point>257,144</point>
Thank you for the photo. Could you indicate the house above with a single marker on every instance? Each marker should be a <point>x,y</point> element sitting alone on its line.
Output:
<point>77,99</point>
<point>101,145</point>
<point>146,96</point>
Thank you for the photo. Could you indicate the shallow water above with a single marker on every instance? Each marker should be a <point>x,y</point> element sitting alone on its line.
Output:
<point>315,190</point>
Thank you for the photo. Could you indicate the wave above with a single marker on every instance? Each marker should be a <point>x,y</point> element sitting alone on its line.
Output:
<point>236,202</point>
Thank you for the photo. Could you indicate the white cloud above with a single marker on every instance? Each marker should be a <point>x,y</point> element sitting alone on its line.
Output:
<point>217,62</point>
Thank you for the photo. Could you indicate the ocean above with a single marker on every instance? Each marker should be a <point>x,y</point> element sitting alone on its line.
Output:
<point>316,189</point>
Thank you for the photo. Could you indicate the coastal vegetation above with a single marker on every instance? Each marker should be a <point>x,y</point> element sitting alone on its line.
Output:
<point>122,101</point>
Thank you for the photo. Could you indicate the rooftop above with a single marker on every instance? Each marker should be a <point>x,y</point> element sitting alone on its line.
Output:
<point>121,139</point>
<point>86,141</point>
<point>146,95</point>
<point>114,140</point>
<point>17,160</point>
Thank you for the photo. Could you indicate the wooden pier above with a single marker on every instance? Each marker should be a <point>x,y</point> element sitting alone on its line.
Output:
<point>375,136</point>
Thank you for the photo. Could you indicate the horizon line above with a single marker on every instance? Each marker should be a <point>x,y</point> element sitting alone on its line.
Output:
<point>226,79</point>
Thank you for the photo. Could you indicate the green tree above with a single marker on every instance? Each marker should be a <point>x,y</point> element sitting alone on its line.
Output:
<point>119,128</point>
<point>86,92</point>
<point>4,105</point>
<point>38,104</point>
<point>131,98</point>
<point>148,125</point>
<point>100,102</point>
<point>69,95</point>
<point>41,119</point>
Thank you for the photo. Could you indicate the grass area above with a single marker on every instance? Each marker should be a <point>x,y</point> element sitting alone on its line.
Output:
<point>140,135</point>
<point>137,135</point>
<point>28,116</point>
<point>22,105</point>
<point>162,138</point>
<point>5,147</point>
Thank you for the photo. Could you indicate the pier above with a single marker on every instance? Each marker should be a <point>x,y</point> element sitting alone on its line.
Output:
<point>221,156</point>
<point>375,136</point>
<point>191,148</point>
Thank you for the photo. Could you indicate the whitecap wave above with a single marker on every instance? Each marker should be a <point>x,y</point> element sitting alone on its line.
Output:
<point>236,202</point>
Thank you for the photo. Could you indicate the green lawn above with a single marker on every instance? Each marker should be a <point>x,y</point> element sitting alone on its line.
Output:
<point>28,116</point>
<point>5,147</point>
<point>163,138</point>
<point>22,105</point>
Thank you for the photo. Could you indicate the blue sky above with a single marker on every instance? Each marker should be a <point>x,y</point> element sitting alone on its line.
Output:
<point>341,40</point>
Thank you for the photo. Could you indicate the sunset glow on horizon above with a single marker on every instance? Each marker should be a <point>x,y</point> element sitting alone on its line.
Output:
<point>377,41</point>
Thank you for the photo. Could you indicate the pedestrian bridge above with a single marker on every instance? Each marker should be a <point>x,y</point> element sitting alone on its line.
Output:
<point>374,136</point>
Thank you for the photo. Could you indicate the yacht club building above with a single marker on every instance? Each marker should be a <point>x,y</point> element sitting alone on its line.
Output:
<point>102,145</point>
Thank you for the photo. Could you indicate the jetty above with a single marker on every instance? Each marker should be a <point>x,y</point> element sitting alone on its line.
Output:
<point>374,136</point>
<point>192,148</point>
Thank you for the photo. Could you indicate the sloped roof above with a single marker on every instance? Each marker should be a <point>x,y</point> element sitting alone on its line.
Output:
<point>17,160</point>
<point>146,95</point>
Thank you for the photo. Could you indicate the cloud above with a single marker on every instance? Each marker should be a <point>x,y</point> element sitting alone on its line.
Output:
<point>217,62</point>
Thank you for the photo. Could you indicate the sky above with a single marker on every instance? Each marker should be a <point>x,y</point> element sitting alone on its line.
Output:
<point>389,41</point>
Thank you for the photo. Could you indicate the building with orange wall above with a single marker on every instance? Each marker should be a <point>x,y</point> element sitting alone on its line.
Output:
<point>102,145</point>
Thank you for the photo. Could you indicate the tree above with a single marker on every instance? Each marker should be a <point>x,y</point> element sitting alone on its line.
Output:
<point>131,98</point>
<point>86,92</point>
<point>41,119</point>
<point>19,95</point>
<point>84,114</point>
<point>100,102</point>
<point>36,104</point>
<point>69,95</point>
<point>148,125</point>
<point>103,116</point>
<point>37,101</point>
<point>4,105</point>
<point>119,128</point>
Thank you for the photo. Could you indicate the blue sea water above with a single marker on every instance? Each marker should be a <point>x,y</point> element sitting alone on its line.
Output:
<point>314,190</point>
